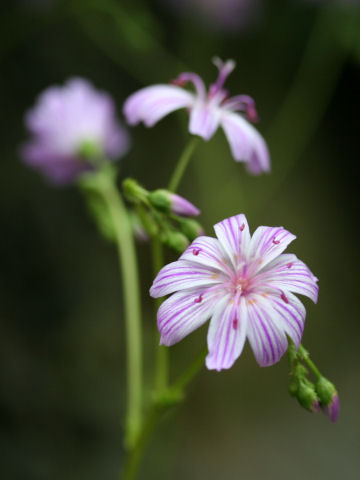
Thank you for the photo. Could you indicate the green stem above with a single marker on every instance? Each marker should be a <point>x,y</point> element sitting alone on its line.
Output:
<point>162,354</point>
<point>174,394</point>
<point>304,355</point>
<point>128,266</point>
<point>190,372</point>
<point>133,460</point>
<point>182,163</point>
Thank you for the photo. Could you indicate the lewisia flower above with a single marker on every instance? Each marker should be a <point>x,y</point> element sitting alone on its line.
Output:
<point>245,284</point>
<point>208,111</point>
<point>70,124</point>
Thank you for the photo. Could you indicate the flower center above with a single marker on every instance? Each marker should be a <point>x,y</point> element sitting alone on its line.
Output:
<point>241,285</point>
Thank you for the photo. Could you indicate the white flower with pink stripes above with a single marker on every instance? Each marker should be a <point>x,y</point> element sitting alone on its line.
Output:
<point>245,284</point>
<point>208,110</point>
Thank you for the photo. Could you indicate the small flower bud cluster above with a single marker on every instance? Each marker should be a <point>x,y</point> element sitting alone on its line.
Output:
<point>164,214</point>
<point>312,396</point>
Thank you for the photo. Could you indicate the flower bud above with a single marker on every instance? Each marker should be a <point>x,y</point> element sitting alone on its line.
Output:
<point>167,201</point>
<point>175,240</point>
<point>307,397</point>
<point>133,191</point>
<point>191,228</point>
<point>332,410</point>
<point>328,396</point>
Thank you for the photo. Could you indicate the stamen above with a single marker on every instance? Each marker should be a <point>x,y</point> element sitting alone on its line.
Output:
<point>276,242</point>
<point>242,227</point>
<point>284,297</point>
<point>196,251</point>
<point>235,323</point>
<point>198,300</point>
<point>179,82</point>
<point>289,265</point>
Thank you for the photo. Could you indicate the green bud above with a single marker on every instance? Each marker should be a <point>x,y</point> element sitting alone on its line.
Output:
<point>160,199</point>
<point>307,396</point>
<point>293,386</point>
<point>134,192</point>
<point>325,391</point>
<point>175,240</point>
<point>191,228</point>
<point>147,221</point>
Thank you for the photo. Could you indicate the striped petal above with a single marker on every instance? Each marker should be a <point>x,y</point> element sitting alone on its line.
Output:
<point>234,236</point>
<point>208,252</point>
<point>182,275</point>
<point>266,336</point>
<point>287,272</point>
<point>266,244</point>
<point>204,119</point>
<point>227,333</point>
<point>246,144</point>
<point>288,314</point>
<point>151,104</point>
<point>183,313</point>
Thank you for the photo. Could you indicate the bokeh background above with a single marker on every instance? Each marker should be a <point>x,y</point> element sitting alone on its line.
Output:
<point>62,336</point>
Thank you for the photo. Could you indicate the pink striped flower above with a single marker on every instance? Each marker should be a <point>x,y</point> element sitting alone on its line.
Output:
<point>208,110</point>
<point>244,284</point>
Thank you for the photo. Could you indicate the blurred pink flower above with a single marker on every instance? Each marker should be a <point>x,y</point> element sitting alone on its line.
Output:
<point>67,123</point>
<point>225,15</point>
<point>208,110</point>
<point>244,284</point>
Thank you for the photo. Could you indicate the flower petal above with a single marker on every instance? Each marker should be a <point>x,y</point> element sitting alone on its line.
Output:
<point>287,272</point>
<point>151,104</point>
<point>267,339</point>
<point>204,120</point>
<point>234,236</point>
<point>266,244</point>
<point>208,252</point>
<point>288,313</point>
<point>246,144</point>
<point>183,313</point>
<point>182,275</point>
<point>227,333</point>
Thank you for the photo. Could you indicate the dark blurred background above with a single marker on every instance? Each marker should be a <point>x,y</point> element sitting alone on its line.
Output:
<point>62,337</point>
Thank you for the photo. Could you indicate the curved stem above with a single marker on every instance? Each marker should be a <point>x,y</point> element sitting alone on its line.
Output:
<point>182,163</point>
<point>304,354</point>
<point>162,354</point>
<point>170,397</point>
<point>128,266</point>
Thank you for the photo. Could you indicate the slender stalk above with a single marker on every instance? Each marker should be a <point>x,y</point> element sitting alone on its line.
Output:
<point>133,460</point>
<point>162,353</point>
<point>182,163</point>
<point>304,354</point>
<point>190,372</point>
<point>128,266</point>
<point>173,394</point>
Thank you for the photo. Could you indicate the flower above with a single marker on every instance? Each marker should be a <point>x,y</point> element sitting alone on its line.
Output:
<point>168,201</point>
<point>226,15</point>
<point>332,410</point>
<point>208,111</point>
<point>245,284</point>
<point>69,125</point>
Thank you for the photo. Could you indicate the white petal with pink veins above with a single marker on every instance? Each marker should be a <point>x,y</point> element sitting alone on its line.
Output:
<point>227,333</point>
<point>267,339</point>
<point>204,119</point>
<point>246,143</point>
<point>183,313</point>
<point>234,236</point>
<point>151,104</point>
<point>287,272</point>
<point>183,275</point>
<point>266,244</point>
